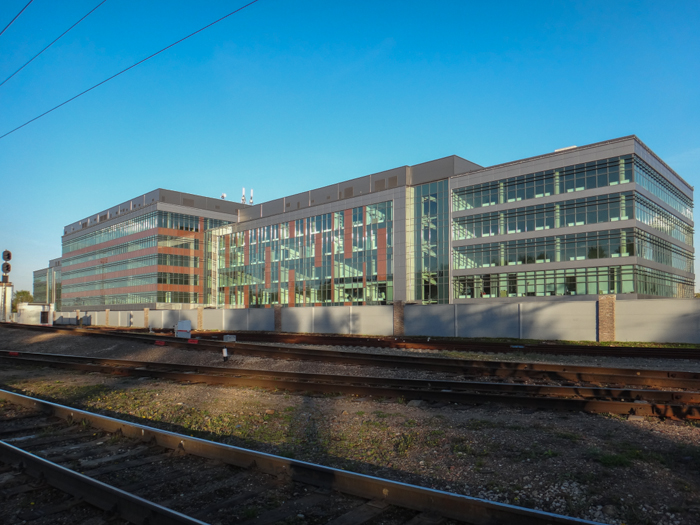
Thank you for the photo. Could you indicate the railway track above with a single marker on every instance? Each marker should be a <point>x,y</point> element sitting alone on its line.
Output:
<point>468,368</point>
<point>546,348</point>
<point>146,475</point>
<point>674,404</point>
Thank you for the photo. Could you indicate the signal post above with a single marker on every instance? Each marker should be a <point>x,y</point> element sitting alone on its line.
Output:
<point>6,288</point>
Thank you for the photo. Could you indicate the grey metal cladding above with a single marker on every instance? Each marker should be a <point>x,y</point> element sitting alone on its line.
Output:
<point>152,196</point>
<point>323,195</point>
<point>439,169</point>
<point>389,178</point>
<point>549,161</point>
<point>193,201</point>
<point>296,202</point>
<point>272,207</point>
<point>664,169</point>
<point>355,187</point>
<point>169,196</point>
<point>250,213</point>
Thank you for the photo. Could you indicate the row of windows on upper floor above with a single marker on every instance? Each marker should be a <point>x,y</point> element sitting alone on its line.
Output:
<point>326,293</point>
<point>154,241</point>
<point>602,173</point>
<point>131,298</point>
<point>376,216</point>
<point>627,242</point>
<point>158,219</point>
<point>578,281</point>
<point>575,212</point>
<point>134,280</point>
<point>164,259</point>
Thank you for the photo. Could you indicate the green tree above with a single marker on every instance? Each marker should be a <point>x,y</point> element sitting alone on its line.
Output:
<point>21,296</point>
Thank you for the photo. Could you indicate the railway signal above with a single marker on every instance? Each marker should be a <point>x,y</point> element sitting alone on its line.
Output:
<point>6,267</point>
<point>7,256</point>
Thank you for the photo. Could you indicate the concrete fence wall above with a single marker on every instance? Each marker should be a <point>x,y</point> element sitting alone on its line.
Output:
<point>654,320</point>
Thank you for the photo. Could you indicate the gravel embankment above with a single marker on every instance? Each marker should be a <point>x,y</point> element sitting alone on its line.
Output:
<point>597,467</point>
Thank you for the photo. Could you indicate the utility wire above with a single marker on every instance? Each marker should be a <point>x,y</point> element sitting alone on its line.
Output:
<point>52,43</point>
<point>15,18</point>
<point>128,68</point>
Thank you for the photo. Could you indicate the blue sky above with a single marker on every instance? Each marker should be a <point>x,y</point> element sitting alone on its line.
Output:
<point>288,96</point>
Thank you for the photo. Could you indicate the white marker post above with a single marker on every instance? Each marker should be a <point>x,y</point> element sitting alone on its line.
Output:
<point>225,353</point>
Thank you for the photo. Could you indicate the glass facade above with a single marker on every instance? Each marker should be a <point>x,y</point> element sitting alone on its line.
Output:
<point>162,265</point>
<point>626,242</point>
<point>573,281</point>
<point>606,172</point>
<point>598,174</point>
<point>432,244</point>
<point>340,258</point>
<point>47,286</point>
<point>575,212</point>
<point>41,286</point>
<point>652,181</point>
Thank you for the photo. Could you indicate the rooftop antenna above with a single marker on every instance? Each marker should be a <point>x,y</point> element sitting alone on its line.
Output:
<point>251,195</point>
<point>243,198</point>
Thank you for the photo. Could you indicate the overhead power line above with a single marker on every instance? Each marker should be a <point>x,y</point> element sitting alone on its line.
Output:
<point>15,18</point>
<point>52,43</point>
<point>128,68</point>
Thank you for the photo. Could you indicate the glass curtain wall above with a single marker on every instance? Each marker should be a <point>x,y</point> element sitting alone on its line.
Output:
<point>574,281</point>
<point>568,179</point>
<point>432,230</point>
<point>627,242</point>
<point>166,270</point>
<point>340,258</point>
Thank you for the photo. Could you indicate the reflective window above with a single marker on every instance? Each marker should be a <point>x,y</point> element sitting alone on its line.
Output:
<point>574,247</point>
<point>574,281</point>
<point>579,177</point>
<point>337,258</point>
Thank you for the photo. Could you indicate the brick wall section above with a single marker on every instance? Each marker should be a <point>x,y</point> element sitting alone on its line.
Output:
<point>107,317</point>
<point>398,318</point>
<point>606,318</point>
<point>200,318</point>
<point>146,324</point>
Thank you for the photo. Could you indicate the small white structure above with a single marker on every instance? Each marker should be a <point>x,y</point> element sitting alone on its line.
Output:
<point>35,313</point>
<point>184,329</point>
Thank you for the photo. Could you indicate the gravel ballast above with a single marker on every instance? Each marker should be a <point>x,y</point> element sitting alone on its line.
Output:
<point>598,467</point>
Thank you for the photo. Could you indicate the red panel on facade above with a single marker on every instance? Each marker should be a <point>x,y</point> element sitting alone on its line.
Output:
<point>318,256</point>
<point>268,267</point>
<point>381,254</point>
<point>292,224</point>
<point>292,289</point>
<point>246,296</point>
<point>347,237</point>
<point>227,251</point>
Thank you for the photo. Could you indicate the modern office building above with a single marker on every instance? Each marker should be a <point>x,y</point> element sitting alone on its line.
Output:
<point>607,218</point>
<point>144,253</point>
<point>47,284</point>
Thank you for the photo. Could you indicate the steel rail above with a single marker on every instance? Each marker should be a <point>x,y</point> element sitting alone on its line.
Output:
<point>453,506</point>
<point>100,495</point>
<point>591,374</point>
<point>203,372</point>
<point>438,343</point>
<point>442,391</point>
